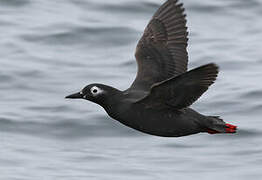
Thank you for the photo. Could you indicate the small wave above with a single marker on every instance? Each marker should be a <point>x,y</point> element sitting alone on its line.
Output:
<point>206,8</point>
<point>15,3</point>
<point>104,36</point>
<point>255,94</point>
<point>5,78</point>
<point>247,133</point>
<point>122,7</point>
<point>66,129</point>
<point>245,4</point>
<point>181,146</point>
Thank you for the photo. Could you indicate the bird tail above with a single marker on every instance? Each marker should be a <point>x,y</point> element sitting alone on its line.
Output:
<point>219,126</point>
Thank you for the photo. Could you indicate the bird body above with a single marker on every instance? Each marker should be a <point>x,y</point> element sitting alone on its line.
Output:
<point>166,122</point>
<point>158,101</point>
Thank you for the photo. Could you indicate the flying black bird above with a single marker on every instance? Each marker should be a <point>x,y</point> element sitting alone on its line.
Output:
<point>158,101</point>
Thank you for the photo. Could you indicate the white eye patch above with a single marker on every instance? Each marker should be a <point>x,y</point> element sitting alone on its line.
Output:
<point>96,91</point>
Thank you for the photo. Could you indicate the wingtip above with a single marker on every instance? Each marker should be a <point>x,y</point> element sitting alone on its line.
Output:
<point>211,66</point>
<point>179,4</point>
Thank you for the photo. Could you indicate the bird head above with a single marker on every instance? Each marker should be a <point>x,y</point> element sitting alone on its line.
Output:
<point>97,93</point>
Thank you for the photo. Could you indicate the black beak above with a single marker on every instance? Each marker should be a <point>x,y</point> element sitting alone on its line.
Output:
<point>75,96</point>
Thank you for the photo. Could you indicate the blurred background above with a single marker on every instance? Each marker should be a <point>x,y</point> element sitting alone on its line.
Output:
<point>51,48</point>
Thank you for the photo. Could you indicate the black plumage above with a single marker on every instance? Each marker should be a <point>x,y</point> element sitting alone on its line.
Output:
<point>158,101</point>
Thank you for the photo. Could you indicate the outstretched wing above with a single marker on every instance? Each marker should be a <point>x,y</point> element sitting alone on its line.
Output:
<point>183,90</point>
<point>161,52</point>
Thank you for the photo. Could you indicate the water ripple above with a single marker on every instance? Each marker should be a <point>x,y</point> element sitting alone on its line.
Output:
<point>87,35</point>
<point>14,3</point>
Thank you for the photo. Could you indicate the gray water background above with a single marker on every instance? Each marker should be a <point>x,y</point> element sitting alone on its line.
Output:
<point>51,48</point>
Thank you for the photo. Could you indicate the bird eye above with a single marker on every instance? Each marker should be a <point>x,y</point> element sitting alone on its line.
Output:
<point>96,90</point>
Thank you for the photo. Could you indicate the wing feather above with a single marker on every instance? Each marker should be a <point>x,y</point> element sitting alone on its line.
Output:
<point>182,91</point>
<point>161,52</point>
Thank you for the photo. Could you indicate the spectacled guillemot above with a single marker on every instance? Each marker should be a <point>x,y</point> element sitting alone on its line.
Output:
<point>158,101</point>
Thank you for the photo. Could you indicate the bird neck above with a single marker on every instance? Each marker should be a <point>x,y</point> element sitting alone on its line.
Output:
<point>111,97</point>
<point>112,103</point>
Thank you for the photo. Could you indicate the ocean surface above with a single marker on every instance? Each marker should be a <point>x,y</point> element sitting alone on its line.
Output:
<point>52,48</point>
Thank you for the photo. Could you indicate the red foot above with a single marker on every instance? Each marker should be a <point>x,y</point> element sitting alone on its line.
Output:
<point>231,128</point>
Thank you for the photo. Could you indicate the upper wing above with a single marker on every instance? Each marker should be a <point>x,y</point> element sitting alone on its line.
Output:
<point>161,52</point>
<point>183,90</point>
